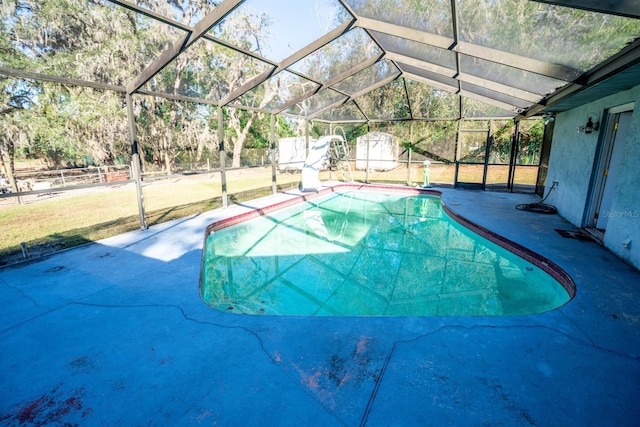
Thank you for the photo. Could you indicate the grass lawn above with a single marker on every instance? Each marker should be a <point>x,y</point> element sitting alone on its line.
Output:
<point>55,221</point>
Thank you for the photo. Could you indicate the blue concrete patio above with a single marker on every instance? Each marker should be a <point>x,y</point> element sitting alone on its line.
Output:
<point>114,333</point>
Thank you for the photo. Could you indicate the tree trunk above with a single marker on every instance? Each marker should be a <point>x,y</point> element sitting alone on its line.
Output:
<point>9,169</point>
<point>166,155</point>
<point>241,135</point>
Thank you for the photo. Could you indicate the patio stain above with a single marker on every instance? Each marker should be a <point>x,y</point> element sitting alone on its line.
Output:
<point>341,370</point>
<point>83,365</point>
<point>413,371</point>
<point>52,407</point>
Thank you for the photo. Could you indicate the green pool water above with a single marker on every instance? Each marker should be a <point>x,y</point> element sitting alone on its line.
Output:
<point>360,253</point>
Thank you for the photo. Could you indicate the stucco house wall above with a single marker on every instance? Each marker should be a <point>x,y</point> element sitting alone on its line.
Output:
<point>572,162</point>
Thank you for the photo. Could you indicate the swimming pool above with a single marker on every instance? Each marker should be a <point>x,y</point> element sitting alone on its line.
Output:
<point>353,251</point>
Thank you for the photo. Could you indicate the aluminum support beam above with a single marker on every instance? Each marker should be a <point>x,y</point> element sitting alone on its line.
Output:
<point>187,28</point>
<point>628,8</point>
<point>310,48</point>
<point>351,71</point>
<point>490,101</point>
<point>135,160</point>
<point>372,87</point>
<point>627,58</point>
<point>176,97</point>
<point>211,19</point>
<point>435,84</point>
<point>405,32</point>
<point>501,88</point>
<point>223,170</point>
<point>409,150</point>
<point>61,80</point>
<point>326,108</point>
<point>406,94</point>
<point>548,69</point>
<point>521,62</point>
<point>342,76</point>
<point>150,14</point>
<point>318,44</point>
<point>247,86</point>
<point>297,100</point>
<point>456,39</point>
<point>272,144</point>
<point>418,63</point>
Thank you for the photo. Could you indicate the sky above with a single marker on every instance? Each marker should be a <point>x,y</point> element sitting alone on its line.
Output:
<point>296,23</point>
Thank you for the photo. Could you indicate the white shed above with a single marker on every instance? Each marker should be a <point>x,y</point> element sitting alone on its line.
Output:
<point>383,151</point>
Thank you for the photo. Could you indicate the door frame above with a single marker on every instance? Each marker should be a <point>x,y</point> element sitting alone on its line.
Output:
<point>458,163</point>
<point>514,153</point>
<point>601,163</point>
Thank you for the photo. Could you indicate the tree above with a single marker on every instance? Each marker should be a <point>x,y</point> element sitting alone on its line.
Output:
<point>71,38</point>
<point>243,31</point>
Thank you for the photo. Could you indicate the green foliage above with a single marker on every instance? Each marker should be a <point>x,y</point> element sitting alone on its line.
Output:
<point>560,35</point>
<point>99,41</point>
<point>435,140</point>
<point>530,144</point>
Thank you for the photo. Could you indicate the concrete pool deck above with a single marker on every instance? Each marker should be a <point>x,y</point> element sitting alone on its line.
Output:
<point>114,333</point>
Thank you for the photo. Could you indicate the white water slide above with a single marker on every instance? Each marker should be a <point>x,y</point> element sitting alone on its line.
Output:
<point>315,160</point>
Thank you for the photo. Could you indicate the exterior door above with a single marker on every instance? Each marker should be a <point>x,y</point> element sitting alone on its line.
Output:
<point>470,164</point>
<point>606,171</point>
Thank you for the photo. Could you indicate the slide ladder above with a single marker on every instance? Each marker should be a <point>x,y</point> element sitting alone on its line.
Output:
<point>339,159</point>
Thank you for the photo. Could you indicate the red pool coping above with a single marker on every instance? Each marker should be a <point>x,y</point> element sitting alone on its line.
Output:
<point>527,254</point>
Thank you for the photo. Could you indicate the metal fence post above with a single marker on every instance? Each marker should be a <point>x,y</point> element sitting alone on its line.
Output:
<point>135,164</point>
<point>366,178</point>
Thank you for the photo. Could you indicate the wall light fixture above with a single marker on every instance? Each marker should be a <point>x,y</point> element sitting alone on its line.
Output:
<point>592,124</point>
